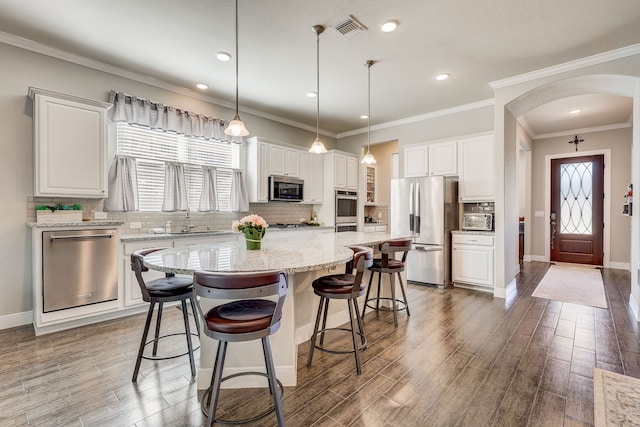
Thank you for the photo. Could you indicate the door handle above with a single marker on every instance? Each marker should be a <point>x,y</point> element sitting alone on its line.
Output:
<point>553,230</point>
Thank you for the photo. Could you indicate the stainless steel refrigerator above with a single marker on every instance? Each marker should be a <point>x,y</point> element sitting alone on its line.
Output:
<point>427,209</point>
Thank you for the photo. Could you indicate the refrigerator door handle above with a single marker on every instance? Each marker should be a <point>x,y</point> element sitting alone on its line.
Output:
<point>416,213</point>
<point>428,248</point>
<point>411,208</point>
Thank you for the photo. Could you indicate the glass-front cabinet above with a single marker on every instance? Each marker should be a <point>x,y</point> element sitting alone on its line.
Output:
<point>371,186</point>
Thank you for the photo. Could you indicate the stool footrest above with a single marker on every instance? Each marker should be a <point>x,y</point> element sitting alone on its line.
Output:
<point>207,393</point>
<point>379,308</point>
<point>363,339</point>
<point>168,357</point>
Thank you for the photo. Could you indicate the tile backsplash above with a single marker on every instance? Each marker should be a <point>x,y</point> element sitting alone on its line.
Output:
<point>271,212</point>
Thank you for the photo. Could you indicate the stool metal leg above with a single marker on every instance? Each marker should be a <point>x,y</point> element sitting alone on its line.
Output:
<point>158,320</point>
<point>216,379</point>
<point>195,314</point>
<point>394,306</point>
<point>366,297</point>
<point>315,333</point>
<point>378,296</point>
<point>271,373</point>
<point>360,324</point>
<point>404,294</point>
<point>354,324</point>
<point>147,324</point>
<point>324,320</point>
<point>185,315</point>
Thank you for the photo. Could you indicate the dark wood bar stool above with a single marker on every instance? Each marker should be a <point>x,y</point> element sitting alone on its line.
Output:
<point>166,289</point>
<point>389,265</point>
<point>346,286</point>
<point>242,320</point>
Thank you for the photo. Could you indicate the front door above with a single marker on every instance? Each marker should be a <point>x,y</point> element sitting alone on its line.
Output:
<point>577,197</point>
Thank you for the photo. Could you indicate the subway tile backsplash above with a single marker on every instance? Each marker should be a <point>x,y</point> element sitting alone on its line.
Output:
<point>271,212</point>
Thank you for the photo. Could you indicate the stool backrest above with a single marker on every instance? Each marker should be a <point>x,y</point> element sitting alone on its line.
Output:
<point>391,247</point>
<point>138,267</point>
<point>362,260</point>
<point>234,286</point>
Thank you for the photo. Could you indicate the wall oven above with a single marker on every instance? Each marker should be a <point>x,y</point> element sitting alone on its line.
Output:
<point>346,211</point>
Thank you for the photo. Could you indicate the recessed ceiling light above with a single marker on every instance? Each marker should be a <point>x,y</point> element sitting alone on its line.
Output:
<point>443,76</point>
<point>202,86</point>
<point>575,111</point>
<point>312,94</point>
<point>223,56</point>
<point>364,116</point>
<point>389,25</point>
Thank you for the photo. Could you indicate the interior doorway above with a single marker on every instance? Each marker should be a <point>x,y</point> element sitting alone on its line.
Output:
<point>577,210</point>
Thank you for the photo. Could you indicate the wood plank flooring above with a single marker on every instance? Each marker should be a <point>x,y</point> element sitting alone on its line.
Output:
<point>463,358</point>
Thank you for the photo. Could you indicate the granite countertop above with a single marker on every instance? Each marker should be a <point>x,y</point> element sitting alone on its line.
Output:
<point>313,251</point>
<point>92,223</point>
<point>473,232</point>
<point>133,237</point>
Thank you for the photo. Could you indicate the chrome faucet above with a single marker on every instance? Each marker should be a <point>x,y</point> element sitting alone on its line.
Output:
<point>189,227</point>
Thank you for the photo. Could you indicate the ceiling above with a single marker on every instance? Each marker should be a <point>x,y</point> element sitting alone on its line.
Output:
<point>477,42</point>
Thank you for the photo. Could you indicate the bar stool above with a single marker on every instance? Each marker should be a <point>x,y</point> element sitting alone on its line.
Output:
<point>347,286</point>
<point>166,289</point>
<point>389,265</point>
<point>242,320</point>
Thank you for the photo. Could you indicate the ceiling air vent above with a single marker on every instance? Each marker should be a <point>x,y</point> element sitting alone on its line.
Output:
<point>349,27</point>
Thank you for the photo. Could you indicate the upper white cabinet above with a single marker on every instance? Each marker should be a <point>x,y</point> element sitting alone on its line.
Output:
<point>431,159</point>
<point>476,169</point>
<point>284,161</point>
<point>70,149</point>
<point>345,170</point>
<point>312,173</point>
<point>258,170</point>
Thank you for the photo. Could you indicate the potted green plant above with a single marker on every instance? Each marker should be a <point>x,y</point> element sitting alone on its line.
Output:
<point>59,213</point>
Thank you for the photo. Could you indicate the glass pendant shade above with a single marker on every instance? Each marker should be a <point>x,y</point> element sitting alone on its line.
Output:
<point>317,147</point>
<point>368,158</point>
<point>236,127</point>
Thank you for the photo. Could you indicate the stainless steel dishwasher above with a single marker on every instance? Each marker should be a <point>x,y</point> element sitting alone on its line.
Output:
<point>79,267</point>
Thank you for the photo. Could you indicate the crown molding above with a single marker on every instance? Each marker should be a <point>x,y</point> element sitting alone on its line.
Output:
<point>30,45</point>
<point>614,126</point>
<point>599,58</point>
<point>421,117</point>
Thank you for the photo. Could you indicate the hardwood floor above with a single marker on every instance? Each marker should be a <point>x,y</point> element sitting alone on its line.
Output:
<point>463,358</point>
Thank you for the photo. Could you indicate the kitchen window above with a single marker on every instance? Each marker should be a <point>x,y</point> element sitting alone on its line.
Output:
<point>151,148</point>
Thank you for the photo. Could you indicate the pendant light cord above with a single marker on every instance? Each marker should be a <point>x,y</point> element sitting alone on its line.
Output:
<point>318,83</point>
<point>369,63</point>
<point>237,109</point>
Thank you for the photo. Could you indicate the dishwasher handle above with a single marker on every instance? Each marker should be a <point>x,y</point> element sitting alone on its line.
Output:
<point>81,236</point>
<point>427,248</point>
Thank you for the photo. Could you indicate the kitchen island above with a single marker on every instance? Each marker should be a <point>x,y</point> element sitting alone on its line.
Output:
<point>305,257</point>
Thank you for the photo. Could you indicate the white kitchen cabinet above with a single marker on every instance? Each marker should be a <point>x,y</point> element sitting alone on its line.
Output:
<point>472,261</point>
<point>371,197</point>
<point>476,169</point>
<point>443,158</point>
<point>431,159</point>
<point>374,228</point>
<point>352,173</point>
<point>416,161</point>
<point>70,148</point>
<point>284,161</point>
<point>312,173</point>
<point>340,173</point>
<point>257,175</point>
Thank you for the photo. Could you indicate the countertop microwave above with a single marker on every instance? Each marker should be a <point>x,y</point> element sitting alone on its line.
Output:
<point>477,221</point>
<point>285,189</point>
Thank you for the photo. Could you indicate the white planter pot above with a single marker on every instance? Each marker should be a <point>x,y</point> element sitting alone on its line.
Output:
<point>58,216</point>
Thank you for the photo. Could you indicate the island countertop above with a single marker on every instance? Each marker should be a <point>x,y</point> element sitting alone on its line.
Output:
<point>294,254</point>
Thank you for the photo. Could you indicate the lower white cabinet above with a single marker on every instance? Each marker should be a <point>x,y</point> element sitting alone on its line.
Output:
<point>374,228</point>
<point>472,261</point>
<point>132,294</point>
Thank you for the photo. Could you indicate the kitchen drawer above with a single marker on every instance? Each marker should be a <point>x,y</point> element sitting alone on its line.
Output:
<point>472,239</point>
<point>131,247</point>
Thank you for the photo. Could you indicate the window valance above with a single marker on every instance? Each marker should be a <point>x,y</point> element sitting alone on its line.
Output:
<point>154,115</point>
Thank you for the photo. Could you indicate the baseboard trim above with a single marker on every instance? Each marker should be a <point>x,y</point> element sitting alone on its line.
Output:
<point>620,266</point>
<point>286,375</point>
<point>505,292</point>
<point>526,258</point>
<point>633,305</point>
<point>16,319</point>
<point>538,258</point>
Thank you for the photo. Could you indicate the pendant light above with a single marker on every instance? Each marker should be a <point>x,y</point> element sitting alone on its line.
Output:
<point>317,147</point>
<point>236,127</point>
<point>368,158</point>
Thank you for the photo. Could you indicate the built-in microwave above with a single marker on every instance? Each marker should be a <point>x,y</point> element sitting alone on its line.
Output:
<point>285,189</point>
<point>477,221</point>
